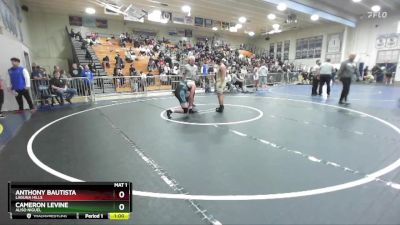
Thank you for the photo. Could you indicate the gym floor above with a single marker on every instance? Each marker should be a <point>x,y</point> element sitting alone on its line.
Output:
<point>278,156</point>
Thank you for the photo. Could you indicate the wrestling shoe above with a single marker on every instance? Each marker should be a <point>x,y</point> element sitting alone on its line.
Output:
<point>169,112</point>
<point>220,109</point>
<point>193,111</point>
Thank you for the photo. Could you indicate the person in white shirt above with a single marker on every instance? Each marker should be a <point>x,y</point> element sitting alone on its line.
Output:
<point>190,69</point>
<point>263,72</point>
<point>325,75</point>
<point>228,81</point>
<point>315,77</point>
<point>256,76</point>
<point>243,71</point>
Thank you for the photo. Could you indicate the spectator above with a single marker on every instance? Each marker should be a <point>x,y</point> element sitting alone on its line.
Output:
<point>263,71</point>
<point>369,78</point>
<point>151,65</point>
<point>256,76</point>
<point>238,80</point>
<point>132,70</point>
<point>228,80</point>
<point>388,76</point>
<point>75,72</point>
<point>143,80</point>
<point>167,69</point>
<point>377,72</point>
<point>119,63</point>
<point>128,57</point>
<point>88,74</point>
<point>168,61</point>
<point>20,83</point>
<point>36,75</point>
<point>60,88</point>
<point>106,62</point>
<point>243,71</point>
<point>120,81</point>
<point>56,68</point>
<point>64,75</point>
<point>84,45</point>
<point>79,36</point>
<point>142,51</point>
<point>163,79</point>
<point>365,72</point>
<point>72,33</point>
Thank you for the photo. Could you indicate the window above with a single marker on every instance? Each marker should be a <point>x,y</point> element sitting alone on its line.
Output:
<point>308,48</point>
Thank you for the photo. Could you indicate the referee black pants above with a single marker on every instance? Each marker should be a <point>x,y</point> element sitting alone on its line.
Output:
<point>315,83</point>
<point>325,79</point>
<point>346,88</point>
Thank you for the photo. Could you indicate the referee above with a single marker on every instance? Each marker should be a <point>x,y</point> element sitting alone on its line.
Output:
<point>190,69</point>
<point>348,71</point>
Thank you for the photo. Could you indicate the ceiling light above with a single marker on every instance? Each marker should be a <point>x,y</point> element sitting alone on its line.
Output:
<point>152,1</point>
<point>314,17</point>
<point>242,19</point>
<point>281,7</point>
<point>232,29</point>
<point>238,26</point>
<point>276,26</point>
<point>274,31</point>
<point>357,0</point>
<point>215,28</point>
<point>90,11</point>
<point>271,16</point>
<point>186,8</point>
<point>251,33</point>
<point>376,8</point>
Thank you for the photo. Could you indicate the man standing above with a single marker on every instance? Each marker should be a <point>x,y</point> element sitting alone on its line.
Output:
<point>204,72</point>
<point>315,77</point>
<point>220,83</point>
<point>20,83</point>
<point>190,69</point>
<point>325,74</point>
<point>88,74</point>
<point>60,87</point>
<point>256,75</point>
<point>348,71</point>
<point>263,71</point>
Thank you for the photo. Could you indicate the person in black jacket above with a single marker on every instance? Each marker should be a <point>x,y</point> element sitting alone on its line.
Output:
<point>119,62</point>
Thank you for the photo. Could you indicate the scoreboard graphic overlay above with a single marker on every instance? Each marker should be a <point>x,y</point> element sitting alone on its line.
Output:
<point>88,200</point>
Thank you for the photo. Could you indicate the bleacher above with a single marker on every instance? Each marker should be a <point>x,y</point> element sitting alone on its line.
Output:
<point>102,49</point>
<point>107,84</point>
